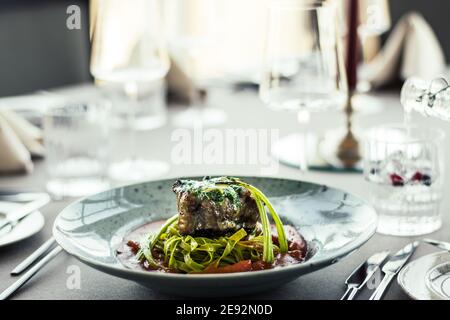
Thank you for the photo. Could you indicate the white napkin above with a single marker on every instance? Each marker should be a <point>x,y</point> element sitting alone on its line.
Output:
<point>19,141</point>
<point>412,49</point>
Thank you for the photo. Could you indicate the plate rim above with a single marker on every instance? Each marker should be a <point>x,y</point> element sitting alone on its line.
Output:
<point>401,276</point>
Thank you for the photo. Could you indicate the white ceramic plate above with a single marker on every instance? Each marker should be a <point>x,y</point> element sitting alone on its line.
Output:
<point>413,277</point>
<point>29,226</point>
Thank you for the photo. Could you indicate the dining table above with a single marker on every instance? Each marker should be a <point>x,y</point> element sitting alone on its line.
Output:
<point>244,111</point>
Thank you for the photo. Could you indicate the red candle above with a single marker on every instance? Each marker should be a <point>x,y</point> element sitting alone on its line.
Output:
<point>352,45</point>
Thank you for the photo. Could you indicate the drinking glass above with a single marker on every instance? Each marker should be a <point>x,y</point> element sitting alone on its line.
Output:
<point>405,170</point>
<point>150,110</point>
<point>76,143</point>
<point>303,65</point>
<point>129,50</point>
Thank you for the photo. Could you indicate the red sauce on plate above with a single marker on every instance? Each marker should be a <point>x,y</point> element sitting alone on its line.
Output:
<point>127,250</point>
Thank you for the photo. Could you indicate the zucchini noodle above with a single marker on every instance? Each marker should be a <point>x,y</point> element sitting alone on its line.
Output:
<point>198,254</point>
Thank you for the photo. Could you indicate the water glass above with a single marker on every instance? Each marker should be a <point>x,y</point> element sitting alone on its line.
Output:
<point>150,108</point>
<point>76,142</point>
<point>405,169</point>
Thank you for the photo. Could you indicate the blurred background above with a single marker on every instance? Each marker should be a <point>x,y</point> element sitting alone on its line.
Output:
<point>158,65</point>
<point>42,56</point>
<point>95,94</point>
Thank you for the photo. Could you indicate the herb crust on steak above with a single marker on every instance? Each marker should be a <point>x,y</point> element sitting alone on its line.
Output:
<point>214,207</point>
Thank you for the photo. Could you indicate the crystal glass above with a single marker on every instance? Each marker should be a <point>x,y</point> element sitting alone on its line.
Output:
<point>303,64</point>
<point>405,170</point>
<point>76,143</point>
<point>129,51</point>
<point>429,98</point>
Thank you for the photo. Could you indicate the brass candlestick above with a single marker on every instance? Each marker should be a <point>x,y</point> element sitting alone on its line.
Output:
<point>348,149</point>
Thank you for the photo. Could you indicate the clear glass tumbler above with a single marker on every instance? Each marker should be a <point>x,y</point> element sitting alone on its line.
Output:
<point>76,142</point>
<point>405,169</point>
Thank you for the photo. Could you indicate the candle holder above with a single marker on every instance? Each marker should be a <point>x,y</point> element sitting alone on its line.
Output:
<point>348,151</point>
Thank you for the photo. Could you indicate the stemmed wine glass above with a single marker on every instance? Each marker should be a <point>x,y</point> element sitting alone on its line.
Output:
<point>129,51</point>
<point>194,35</point>
<point>374,20</point>
<point>303,67</point>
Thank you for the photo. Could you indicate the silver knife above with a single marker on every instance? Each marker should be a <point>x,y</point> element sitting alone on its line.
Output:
<point>440,244</point>
<point>392,267</point>
<point>13,217</point>
<point>359,277</point>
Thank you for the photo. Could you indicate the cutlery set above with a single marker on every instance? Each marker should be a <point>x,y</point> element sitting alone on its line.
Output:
<point>32,202</point>
<point>392,267</point>
<point>365,271</point>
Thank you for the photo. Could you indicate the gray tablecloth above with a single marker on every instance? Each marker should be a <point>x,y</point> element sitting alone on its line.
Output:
<point>244,111</point>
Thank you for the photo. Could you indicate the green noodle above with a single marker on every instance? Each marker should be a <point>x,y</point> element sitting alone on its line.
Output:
<point>195,254</point>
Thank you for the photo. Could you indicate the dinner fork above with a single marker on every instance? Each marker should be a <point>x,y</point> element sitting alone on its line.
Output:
<point>30,273</point>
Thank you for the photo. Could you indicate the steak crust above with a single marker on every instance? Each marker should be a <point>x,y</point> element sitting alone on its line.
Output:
<point>214,207</point>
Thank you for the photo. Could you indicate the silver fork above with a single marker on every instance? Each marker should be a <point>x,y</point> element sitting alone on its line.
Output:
<point>34,269</point>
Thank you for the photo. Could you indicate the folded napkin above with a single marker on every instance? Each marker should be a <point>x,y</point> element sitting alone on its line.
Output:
<point>19,142</point>
<point>179,86</point>
<point>412,49</point>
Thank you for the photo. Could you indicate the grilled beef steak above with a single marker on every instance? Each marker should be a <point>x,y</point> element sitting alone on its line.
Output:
<point>214,207</point>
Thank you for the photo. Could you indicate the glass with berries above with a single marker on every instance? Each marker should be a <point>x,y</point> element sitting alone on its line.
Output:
<point>404,167</point>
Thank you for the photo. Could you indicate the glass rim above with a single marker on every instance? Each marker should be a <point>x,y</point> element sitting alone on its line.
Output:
<point>434,134</point>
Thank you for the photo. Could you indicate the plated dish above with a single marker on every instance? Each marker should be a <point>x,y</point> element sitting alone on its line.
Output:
<point>321,225</point>
<point>222,226</point>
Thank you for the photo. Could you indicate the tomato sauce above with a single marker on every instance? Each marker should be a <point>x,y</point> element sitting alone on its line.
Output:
<point>297,250</point>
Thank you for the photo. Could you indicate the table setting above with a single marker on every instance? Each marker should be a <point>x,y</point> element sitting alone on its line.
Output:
<point>314,171</point>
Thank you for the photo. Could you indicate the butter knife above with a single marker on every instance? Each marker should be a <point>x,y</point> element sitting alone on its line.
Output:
<point>392,267</point>
<point>13,217</point>
<point>359,277</point>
